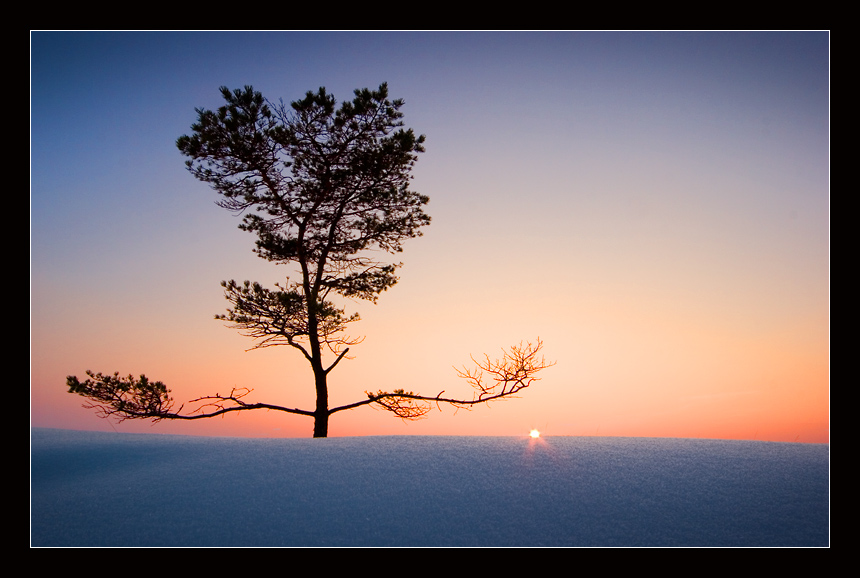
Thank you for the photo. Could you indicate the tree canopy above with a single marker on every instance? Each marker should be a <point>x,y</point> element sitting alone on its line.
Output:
<point>320,187</point>
<point>326,190</point>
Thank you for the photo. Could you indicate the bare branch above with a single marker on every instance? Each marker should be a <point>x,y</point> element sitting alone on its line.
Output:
<point>515,371</point>
<point>336,361</point>
<point>509,375</point>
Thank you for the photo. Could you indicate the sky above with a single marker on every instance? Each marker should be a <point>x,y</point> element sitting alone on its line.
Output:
<point>653,206</point>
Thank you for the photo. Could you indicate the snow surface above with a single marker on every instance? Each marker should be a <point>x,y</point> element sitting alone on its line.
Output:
<point>108,489</point>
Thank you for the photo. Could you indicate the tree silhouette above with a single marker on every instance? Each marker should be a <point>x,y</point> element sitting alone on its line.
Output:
<point>326,190</point>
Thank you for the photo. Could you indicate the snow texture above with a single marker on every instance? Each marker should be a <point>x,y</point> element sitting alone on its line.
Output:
<point>106,489</point>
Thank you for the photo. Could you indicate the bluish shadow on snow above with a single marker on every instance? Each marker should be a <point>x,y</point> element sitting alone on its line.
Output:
<point>104,489</point>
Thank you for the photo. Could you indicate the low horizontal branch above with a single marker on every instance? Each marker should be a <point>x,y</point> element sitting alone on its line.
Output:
<point>244,407</point>
<point>140,398</point>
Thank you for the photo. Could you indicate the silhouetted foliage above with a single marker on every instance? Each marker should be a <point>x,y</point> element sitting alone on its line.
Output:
<point>325,189</point>
<point>124,397</point>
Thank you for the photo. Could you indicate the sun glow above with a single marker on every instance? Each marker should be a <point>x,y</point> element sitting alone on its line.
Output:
<point>534,433</point>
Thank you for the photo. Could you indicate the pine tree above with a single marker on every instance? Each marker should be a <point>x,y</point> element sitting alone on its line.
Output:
<point>325,189</point>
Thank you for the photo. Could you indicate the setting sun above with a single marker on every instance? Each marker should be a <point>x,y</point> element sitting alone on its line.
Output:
<point>534,433</point>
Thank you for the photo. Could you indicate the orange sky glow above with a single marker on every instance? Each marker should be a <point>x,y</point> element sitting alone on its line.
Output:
<point>653,207</point>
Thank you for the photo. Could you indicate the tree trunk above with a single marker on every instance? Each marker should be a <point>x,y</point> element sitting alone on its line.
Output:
<point>321,412</point>
<point>321,425</point>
